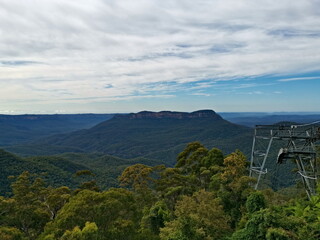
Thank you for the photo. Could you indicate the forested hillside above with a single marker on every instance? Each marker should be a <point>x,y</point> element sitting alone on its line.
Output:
<point>18,129</point>
<point>150,138</point>
<point>59,170</point>
<point>154,135</point>
<point>207,195</point>
<point>56,171</point>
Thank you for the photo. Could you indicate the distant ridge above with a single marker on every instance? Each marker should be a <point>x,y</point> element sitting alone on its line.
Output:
<point>21,129</point>
<point>171,115</point>
<point>152,135</point>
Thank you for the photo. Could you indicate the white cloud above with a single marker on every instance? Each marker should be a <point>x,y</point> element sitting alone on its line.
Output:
<point>298,79</point>
<point>251,93</point>
<point>70,50</point>
<point>201,94</point>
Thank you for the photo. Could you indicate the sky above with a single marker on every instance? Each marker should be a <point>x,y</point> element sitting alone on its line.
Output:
<point>112,56</point>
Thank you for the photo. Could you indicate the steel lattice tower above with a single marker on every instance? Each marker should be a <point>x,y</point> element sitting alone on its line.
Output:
<point>299,145</point>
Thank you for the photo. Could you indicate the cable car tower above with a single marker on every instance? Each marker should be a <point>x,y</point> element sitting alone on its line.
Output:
<point>299,144</point>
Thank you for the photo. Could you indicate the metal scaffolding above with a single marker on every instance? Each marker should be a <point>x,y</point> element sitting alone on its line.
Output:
<point>298,145</point>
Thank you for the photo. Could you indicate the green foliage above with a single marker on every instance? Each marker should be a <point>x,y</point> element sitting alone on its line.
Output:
<point>60,170</point>
<point>200,216</point>
<point>189,159</point>
<point>233,185</point>
<point>255,202</point>
<point>114,212</point>
<point>84,173</point>
<point>54,199</point>
<point>140,179</point>
<point>308,211</point>
<point>205,196</point>
<point>214,158</point>
<point>25,210</point>
<point>269,222</point>
<point>137,177</point>
<point>155,217</point>
<point>11,233</point>
<point>89,232</point>
<point>55,170</point>
<point>87,182</point>
<point>278,234</point>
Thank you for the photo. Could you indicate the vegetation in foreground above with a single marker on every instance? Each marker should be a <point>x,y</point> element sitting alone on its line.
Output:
<point>205,196</point>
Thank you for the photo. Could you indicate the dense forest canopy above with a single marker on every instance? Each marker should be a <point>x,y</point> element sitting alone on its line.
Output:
<point>206,195</point>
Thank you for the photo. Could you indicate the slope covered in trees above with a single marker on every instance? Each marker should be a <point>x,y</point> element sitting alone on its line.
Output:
<point>57,171</point>
<point>60,170</point>
<point>151,138</point>
<point>18,129</point>
<point>205,196</point>
<point>152,135</point>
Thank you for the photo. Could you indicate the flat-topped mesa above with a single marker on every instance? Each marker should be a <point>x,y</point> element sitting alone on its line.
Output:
<point>173,115</point>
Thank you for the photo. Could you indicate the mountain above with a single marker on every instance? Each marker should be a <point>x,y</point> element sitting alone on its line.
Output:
<point>149,138</point>
<point>252,119</point>
<point>20,129</point>
<point>156,135</point>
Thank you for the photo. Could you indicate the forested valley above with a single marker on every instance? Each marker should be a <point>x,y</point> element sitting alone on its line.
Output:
<point>206,195</point>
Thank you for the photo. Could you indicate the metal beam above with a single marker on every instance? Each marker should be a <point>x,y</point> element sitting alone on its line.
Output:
<point>301,141</point>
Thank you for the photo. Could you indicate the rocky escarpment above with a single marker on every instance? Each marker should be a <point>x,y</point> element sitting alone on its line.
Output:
<point>168,114</point>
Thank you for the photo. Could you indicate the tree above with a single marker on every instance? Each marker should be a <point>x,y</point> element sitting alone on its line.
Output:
<point>211,165</point>
<point>233,185</point>
<point>54,199</point>
<point>141,180</point>
<point>11,233</point>
<point>89,184</point>
<point>25,210</point>
<point>173,183</point>
<point>194,170</point>
<point>309,212</point>
<point>255,202</point>
<point>115,212</point>
<point>137,177</point>
<point>89,232</point>
<point>155,217</point>
<point>189,160</point>
<point>198,217</point>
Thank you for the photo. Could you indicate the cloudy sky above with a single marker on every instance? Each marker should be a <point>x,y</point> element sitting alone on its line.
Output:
<point>70,56</point>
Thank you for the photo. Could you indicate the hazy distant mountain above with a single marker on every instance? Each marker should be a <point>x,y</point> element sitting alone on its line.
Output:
<point>17,129</point>
<point>156,135</point>
<point>252,119</point>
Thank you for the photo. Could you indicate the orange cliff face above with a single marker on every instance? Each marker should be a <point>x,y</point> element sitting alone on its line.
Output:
<point>173,115</point>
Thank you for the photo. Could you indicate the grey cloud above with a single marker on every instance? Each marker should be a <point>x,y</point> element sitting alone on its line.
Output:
<point>289,33</point>
<point>224,48</point>
<point>160,55</point>
<point>184,45</point>
<point>18,63</point>
<point>223,26</point>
